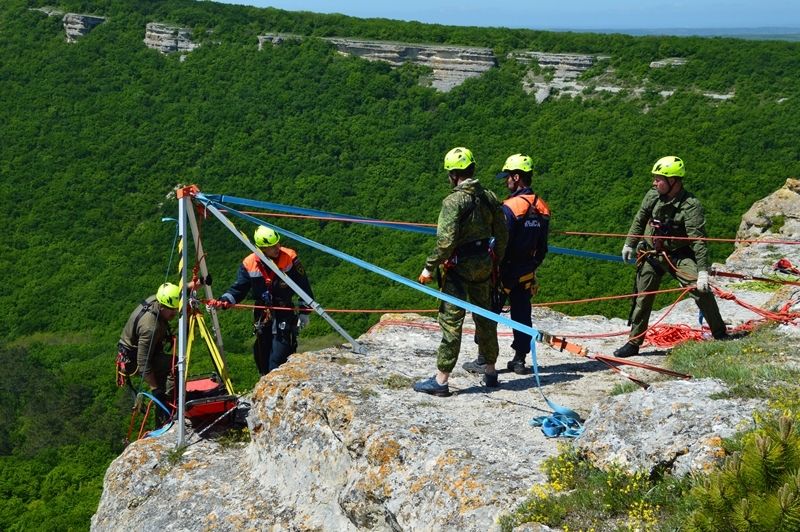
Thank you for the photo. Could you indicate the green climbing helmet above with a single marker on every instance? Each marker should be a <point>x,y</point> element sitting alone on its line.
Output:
<point>518,162</point>
<point>669,166</point>
<point>266,237</point>
<point>458,159</point>
<point>169,295</point>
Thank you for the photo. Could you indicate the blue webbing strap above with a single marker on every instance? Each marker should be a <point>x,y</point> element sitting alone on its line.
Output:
<point>534,333</point>
<point>403,226</point>
<point>161,430</point>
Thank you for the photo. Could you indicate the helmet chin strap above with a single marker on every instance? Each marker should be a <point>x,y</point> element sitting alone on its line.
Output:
<point>672,185</point>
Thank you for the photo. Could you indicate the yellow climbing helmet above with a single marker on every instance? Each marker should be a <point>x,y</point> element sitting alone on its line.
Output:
<point>518,162</point>
<point>169,295</point>
<point>265,237</point>
<point>458,159</point>
<point>669,166</point>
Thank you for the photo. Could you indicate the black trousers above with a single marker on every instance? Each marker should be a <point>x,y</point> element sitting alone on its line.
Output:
<point>276,339</point>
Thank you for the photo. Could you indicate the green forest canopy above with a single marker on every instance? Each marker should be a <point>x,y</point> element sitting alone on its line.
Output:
<point>97,134</point>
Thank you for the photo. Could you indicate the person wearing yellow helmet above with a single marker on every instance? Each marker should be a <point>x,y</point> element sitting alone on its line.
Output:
<point>145,345</point>
<point>668,211</point>
<point>527,217</point>
<point>469,221</point>
<point>275,329</point>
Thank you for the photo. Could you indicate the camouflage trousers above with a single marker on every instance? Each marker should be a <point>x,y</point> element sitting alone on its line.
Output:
<point>648,278</point>
<point>451,320</point>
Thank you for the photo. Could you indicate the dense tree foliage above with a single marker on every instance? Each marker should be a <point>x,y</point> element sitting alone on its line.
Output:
<point>96,134</point>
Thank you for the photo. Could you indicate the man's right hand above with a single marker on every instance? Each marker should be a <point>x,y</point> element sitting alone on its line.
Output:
<point>628,254</point>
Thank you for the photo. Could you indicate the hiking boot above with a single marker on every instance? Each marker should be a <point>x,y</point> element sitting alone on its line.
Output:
<point>490,380</point>
<point>431,387</point>
<point>517,365</point>
<point>723,336</point>
<point>477,366</point>
<point>627,350</point>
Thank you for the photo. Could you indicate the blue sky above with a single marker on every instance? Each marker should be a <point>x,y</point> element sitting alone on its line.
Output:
<point>554,14</point>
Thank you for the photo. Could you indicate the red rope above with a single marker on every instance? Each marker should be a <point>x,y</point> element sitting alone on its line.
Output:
<point>692,238</point>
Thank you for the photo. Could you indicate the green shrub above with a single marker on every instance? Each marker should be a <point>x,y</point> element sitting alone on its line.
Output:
<point>758,488</point>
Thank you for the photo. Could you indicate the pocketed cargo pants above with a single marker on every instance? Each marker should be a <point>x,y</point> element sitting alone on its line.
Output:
<point>276,339</point>
<point>648,278</point>
<point>471,283</point>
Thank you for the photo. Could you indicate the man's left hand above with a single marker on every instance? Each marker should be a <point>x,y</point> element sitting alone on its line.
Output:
<point>702,282</point>
<point>425,277</point>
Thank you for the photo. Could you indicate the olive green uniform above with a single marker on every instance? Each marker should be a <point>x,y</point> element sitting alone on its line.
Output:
<point>469,218</point>
<point>658,219</point>
<point>148,336</point>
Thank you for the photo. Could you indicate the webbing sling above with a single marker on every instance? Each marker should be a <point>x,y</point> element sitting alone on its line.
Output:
<point>402,226</point>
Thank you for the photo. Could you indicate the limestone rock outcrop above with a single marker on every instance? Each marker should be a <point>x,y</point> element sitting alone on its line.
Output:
<point>168,39</point>
<point>451,65</point>
<point>340,441</point>
<point>77,25</point>
<point>775,218</point>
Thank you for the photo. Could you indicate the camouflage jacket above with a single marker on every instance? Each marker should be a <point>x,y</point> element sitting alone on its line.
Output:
<point>469,213</point>
<point>680,216</point>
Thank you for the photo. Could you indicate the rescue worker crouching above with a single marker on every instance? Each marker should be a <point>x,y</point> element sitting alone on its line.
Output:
<point>145,345</point>
<point>668,210</point>
<point>469,219</point>
<point>275,329</point>
<point>527,218</point>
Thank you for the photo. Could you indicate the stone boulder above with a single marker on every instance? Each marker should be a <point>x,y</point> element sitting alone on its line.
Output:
<point>676,427</point>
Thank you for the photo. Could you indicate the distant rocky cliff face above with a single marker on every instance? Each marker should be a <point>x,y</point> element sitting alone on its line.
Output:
<point>76,26</point>
<point>451,65</point>
<point>555,74</point>
<point>167,39</point>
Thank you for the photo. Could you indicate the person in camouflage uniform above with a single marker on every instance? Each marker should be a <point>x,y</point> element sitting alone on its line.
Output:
<point>471,220</point>
<point>668,211</point>
<point>145,345</point>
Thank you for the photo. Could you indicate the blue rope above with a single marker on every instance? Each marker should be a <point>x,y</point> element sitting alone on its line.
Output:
<point>403,226</point>
<point>533,333</point>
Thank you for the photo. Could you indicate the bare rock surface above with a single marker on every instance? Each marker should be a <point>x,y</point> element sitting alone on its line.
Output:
<point>168,39</point>
<point>77,25</point>
<point>341,442</point>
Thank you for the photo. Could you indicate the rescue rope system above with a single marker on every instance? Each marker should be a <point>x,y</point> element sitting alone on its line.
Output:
<point>564,421</point>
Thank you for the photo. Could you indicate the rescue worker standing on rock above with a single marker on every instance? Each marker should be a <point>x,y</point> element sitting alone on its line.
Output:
<point>145,345</point>
<point>275,329</point>
<point>528,220</point>
<point>668,211</point>
<point>471,231</point>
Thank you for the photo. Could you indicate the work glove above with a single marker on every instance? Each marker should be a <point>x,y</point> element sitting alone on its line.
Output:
<point>425,277</point>
<point>219,303</point>
<point>628,253</point>
<point>302,321</point>
<point>702,282</point>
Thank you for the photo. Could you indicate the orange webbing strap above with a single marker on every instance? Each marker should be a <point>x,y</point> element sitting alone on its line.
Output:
<point>563,345</point>
<point>612,362</point>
